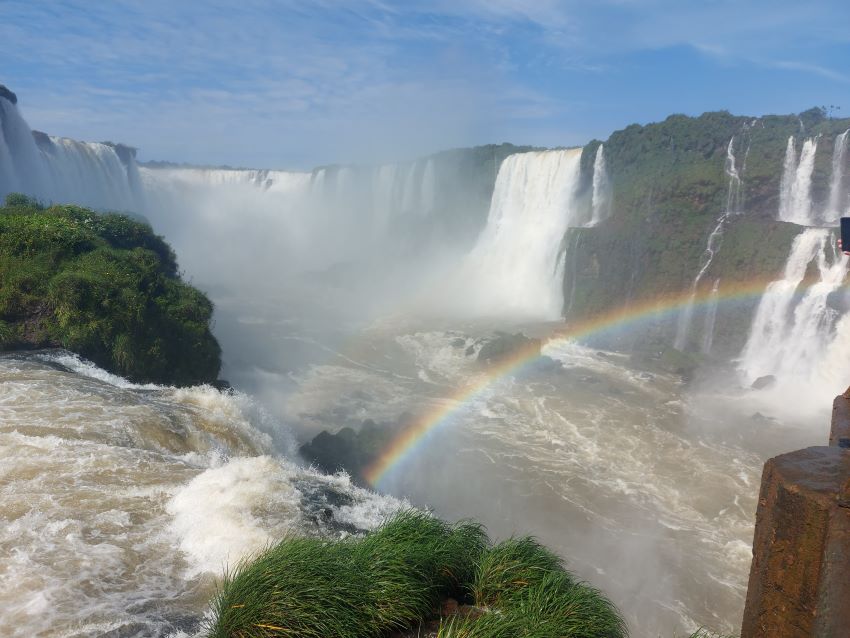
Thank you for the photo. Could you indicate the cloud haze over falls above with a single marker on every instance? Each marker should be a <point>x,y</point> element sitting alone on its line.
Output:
<point>297,84</point>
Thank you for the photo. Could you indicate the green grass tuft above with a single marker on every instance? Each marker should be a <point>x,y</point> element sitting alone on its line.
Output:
<point>509,568</point>
<point>390,579</point>
<point>396,577</point>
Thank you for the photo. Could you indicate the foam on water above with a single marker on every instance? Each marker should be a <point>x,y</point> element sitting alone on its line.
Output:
<point>120,504</point>
<point>598,448</point>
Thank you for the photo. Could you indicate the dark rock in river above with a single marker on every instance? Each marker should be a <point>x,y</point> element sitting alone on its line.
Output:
<point>42,140</point>
<point>766,381</point>
<point>348,450</point>
<point>222,385</point>
<point>6,93</point>
<point>504,346</point>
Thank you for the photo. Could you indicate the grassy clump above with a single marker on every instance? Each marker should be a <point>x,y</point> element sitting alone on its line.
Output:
<point>391,579</point>
<point>104,286</point>
<point>523,590</point>
<point>395,578</point>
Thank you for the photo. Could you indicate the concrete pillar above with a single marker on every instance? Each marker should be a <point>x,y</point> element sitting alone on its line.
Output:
<point>839,433</point>
<point>800,577</point>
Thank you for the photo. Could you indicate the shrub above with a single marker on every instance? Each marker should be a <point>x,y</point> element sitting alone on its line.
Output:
<point>391,579</point>
<point>395,578</point>
<point>104,286</point>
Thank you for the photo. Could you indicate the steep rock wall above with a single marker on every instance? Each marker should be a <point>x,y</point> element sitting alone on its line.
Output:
<point>669,189</point>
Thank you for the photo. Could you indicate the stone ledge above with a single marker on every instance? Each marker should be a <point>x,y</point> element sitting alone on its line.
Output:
<point>800,577</point>
<point>840,419</point>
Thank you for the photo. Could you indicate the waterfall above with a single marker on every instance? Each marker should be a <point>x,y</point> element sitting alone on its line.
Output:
<point>783,322</point>
<point>408,198</point>
<point>837,196</point>
<point>601,197</point>
<point>710,318</point>
<point>786,184</point>
<point>57,169</point>
<point>795,201</point>
<point>733,206</point>
<point>733,193</point>
<point>384,196</point>
<point>427,190</point>
<point>514,268</point>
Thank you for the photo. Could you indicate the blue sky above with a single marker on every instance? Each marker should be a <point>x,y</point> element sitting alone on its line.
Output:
<point>295,84</point>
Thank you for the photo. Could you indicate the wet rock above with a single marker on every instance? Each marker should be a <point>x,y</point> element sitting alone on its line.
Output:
<point>504,346</point>
<point>6,93</point>
<point>348,450</point>
<point>42,140</point>
<point>766,381</point>
<point>838,300</point>
<point>458,342</point>
<point>319,501</point>
<point>222,385</point>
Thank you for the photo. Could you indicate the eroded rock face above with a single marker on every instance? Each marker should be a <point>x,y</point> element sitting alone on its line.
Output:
<point>6,93</point>
<point>800,576</point>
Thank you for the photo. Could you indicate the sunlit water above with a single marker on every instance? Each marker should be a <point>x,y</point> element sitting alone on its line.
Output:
<point>120,505</point>
<point>647,488</point>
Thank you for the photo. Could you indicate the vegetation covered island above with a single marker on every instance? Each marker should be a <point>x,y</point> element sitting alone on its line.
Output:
<point>103,286</point>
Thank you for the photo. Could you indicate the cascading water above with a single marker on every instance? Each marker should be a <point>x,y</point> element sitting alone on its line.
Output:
<point>62,170</point>
<point>765,346</point>
<point>384,195</point>
<point>600,202</point>
<point>136,497</point>
<point>512,269</point>
<point>796,333</point>
<point>710,318</point>
<point>837,203</point>
<point>733,206</point>
<point>428,189</point>
<point>793,329</point>
<point>795,201</point>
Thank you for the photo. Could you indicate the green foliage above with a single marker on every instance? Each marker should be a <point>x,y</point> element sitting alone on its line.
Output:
<point>19,200</point>
<point>395,577</point>
<point>511,566</point>
<point>104,286</point>
<point>523,590</point>
<point>391,579</point>
<point>669,188</point>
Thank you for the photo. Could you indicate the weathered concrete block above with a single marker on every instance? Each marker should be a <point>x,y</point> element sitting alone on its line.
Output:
<point>800,576</point>
<point>839,433</point>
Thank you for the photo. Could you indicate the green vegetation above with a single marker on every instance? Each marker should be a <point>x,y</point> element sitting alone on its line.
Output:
<point>396,577</point>
<point>105,287</point>
<point>669,189</point>
<point>525,591</point>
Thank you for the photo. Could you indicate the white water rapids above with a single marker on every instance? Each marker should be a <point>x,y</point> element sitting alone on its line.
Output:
<point>121,504</point>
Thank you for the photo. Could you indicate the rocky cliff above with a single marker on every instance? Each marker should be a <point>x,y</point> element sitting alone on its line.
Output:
<point>670,184</point>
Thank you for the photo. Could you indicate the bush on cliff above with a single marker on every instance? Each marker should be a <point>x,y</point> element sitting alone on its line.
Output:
<point>395,578</point>
<point>105,287</point>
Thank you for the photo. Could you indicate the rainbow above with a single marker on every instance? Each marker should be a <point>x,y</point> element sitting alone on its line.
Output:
<point>407,441</point>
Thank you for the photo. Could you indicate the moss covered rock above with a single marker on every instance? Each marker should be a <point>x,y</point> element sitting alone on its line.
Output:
<point>105,287</point>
